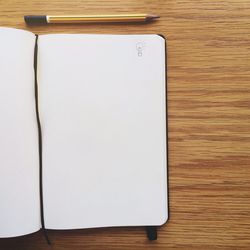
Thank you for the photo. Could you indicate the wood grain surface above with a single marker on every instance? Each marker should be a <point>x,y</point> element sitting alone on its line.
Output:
<point>209,120</point>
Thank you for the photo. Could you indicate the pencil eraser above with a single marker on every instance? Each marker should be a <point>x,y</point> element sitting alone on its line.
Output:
<point>34,20</point>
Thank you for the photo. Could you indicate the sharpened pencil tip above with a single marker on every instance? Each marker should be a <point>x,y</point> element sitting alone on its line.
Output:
<point>152,17</point>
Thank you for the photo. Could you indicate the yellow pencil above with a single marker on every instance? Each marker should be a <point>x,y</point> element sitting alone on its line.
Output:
<point>119,18</point>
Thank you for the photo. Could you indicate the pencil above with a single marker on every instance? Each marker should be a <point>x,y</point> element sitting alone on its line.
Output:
<point>119,18</point>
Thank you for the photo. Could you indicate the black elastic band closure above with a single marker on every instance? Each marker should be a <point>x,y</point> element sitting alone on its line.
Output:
<point>39,146</point>
<point>151,232</point>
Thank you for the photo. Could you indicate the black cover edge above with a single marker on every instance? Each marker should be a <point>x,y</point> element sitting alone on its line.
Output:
<point>167,137</point>
<point>166,96</point>
<point>166,103</point>
<point>39,130</point>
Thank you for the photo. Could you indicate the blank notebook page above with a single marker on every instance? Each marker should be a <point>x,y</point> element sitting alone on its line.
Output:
<point>102,109</point>
<point>19,162</point>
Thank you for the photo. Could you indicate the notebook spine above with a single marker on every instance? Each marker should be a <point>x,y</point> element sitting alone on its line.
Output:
<point>39,144</point>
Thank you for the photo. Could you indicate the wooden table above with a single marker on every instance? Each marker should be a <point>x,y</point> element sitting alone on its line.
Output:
<point>209,120</point>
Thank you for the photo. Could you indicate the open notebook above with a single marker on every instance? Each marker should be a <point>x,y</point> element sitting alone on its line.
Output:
<point>102,110</point>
